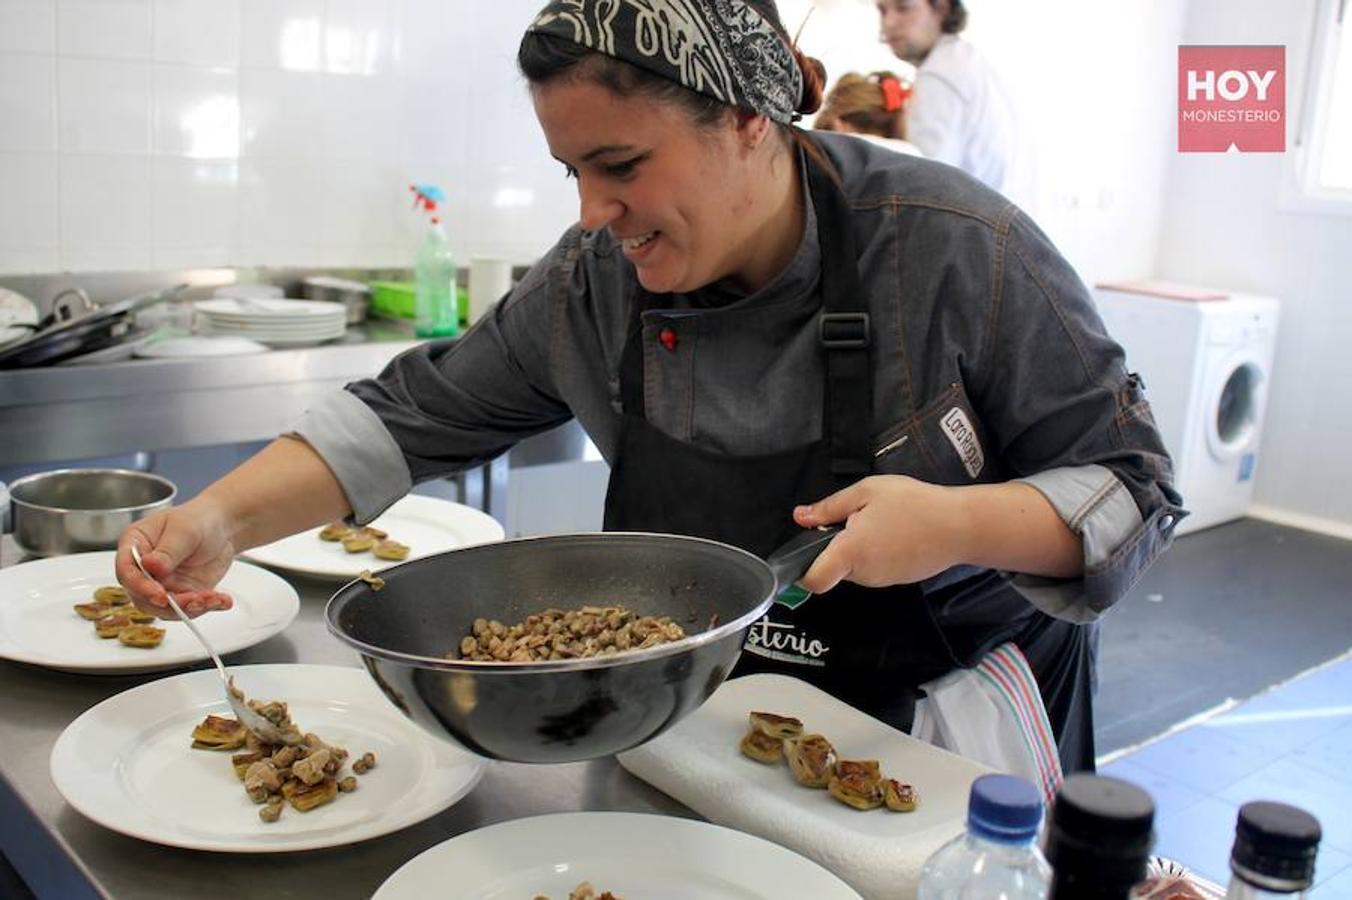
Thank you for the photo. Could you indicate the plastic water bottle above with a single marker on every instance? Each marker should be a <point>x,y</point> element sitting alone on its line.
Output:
<point>1274,852</point>
<point>996,859</point>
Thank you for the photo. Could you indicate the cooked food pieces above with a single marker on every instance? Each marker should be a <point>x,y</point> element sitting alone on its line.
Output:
<point>811,758</point>
<point>762,748</point>
<point>113,595</point>
<point>776,726</point>
<point>859,783</point>
<point>336,531</point>
<point>140,636</point>
<point>367,537</point>
<point>111,626</point>
<point>572,634</point>
<point>391,550</point>
<point>899,797</point>
<point>358,543</point>
<point>114,616</point>
<point>375,581</point>
<point>107,599</point>
<point>305,775</point>
<point>584,891</point>
<point>305,797</point>
<point>219,733</point>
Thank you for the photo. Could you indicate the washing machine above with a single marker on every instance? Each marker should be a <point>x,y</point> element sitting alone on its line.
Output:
<point>1206,365</point>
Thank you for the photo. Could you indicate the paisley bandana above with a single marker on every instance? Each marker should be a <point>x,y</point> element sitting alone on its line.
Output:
<point>723,49</point>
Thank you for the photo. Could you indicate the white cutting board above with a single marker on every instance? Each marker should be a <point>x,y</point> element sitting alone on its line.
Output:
<point>879,852</point>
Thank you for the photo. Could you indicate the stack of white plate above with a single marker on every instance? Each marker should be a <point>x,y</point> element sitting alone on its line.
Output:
<point>277,323</point>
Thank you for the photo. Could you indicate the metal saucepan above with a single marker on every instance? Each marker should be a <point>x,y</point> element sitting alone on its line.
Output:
<point>561,710</point>
<point>74,510</point>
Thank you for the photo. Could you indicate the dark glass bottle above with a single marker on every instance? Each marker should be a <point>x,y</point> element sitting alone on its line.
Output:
<point>1274,851</point>
<point>1099,838</point>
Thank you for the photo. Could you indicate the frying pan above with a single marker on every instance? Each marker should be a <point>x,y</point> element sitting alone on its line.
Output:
<point>561,710</point>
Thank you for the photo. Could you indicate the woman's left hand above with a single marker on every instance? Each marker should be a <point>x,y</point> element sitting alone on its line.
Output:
<point>898,530</point>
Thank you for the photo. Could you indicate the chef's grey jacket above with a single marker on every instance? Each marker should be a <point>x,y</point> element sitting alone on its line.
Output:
<point>990,364</point>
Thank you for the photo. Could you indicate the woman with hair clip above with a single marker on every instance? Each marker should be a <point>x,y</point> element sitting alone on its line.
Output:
<point>765,330</point>
<point>872,107</point>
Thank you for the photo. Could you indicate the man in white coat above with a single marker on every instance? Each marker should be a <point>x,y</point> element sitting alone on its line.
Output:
<point>960,113</point>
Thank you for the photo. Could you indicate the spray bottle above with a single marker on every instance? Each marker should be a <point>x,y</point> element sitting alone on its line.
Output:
<point>436,310</point>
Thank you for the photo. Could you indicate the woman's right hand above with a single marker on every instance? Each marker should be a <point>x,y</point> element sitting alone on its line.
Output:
<point>187,549</point>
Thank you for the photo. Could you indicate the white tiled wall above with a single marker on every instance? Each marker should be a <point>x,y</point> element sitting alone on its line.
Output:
<point>142,134</point>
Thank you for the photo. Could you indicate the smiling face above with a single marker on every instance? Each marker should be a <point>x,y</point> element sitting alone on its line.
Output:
<point>911,27</point>
<point>690,204</point>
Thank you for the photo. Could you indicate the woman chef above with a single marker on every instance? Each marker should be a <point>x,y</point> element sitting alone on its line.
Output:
<point>761,331</point>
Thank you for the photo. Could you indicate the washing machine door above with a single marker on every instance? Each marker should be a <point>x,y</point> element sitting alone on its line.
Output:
<point>1235,407</point>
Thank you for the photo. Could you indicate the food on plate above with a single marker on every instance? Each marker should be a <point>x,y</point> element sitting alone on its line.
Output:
<point>859,783</point>
<point>114,616</point>
<point>584,891</point>
<point>899,797</point>
<point>776,726</point>
<point>305,775</point>
<point>391,550</point>
<point>219,733</point>
<point>367,537</point>
<point>112,595</point>
<point>111,625</point>
<point>572,634</point>
<point>107,599</point>
<point>336,531</point>
<point>140,636</point>
<point>358,543</point>
<point>762,748</point>
<point>811,758</point>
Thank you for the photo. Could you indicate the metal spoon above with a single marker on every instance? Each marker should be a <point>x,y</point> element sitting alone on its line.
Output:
<point>250,719</point>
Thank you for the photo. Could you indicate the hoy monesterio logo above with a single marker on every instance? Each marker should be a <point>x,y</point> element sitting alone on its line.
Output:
<point>1231,98</point>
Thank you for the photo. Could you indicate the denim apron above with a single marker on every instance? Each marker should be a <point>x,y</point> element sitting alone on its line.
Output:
<point>870,647</point>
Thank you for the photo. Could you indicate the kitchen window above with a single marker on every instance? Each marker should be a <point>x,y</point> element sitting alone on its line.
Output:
<point>1321,157</point>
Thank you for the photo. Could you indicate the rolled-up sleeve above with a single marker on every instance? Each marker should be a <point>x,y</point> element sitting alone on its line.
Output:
<point>1074,424</point>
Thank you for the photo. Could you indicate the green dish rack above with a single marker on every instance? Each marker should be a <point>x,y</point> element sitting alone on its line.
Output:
<point>396,299</point>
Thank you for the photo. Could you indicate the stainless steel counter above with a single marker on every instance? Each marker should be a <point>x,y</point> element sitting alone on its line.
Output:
<point>59,413</point>
<point>62,855</point>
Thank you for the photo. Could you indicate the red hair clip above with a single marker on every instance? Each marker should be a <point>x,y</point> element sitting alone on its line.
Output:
<point>894,95</point>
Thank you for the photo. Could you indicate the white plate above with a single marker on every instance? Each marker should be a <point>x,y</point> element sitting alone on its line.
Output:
<point>199,346</point>
<point>879,852</point>
<point>38,625</point>
<point>427,524</point>
<point>269,310</point>
<point>645,857</point>
<point>128,765</point>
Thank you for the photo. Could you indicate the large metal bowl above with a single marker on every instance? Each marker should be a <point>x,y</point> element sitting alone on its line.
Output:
<point>75,510</point>
<point>564,710</point>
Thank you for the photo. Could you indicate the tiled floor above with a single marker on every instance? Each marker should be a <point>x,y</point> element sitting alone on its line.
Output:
<point>1292,743</point>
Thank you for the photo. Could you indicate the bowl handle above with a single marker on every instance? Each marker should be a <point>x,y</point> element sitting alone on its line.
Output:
<point>793,558</point>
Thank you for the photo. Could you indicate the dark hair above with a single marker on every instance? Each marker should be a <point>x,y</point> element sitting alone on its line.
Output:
<point>956,18</point>
<point>543,58</point>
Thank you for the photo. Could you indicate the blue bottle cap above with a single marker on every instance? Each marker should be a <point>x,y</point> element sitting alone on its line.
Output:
<point>1004,808</point>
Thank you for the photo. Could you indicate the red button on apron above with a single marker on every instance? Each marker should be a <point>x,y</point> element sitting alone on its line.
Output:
<point>668,338</point>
